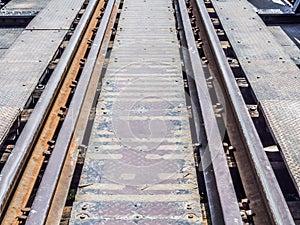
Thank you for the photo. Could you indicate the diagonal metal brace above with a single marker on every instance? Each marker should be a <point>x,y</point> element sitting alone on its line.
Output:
<point>296,7</point>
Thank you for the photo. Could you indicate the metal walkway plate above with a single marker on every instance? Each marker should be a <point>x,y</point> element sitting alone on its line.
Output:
<point>293,30</point>
<point>8,37</point>
<point>286,42</point>
<point>28,56</point>
<point>287,129</point>
<point>27,5</point>
<point>139,166</point>
<point>56,15</point>
<point>21,68</point>
<point>273,76</point>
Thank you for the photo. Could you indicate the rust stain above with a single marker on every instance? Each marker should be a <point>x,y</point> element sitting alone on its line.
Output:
<point>25,187</point>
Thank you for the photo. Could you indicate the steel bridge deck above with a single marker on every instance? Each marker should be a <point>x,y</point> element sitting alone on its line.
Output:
<point>8,37</point>
<point>139,165</point>
<point>26,59</point>
<point>273,76</point>
<point>28,5</point>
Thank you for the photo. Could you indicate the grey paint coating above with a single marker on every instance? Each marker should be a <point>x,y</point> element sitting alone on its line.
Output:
<point>21,67</point>
<point>56,15</point>
<point>14,5</point>
<point>28,55</point>
<point>139,165</point>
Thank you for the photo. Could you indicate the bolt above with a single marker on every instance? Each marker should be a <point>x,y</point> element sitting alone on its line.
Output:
<point>25,210</point>
<point>22,217</point>
<point>46,153</point>
<point>82,216</point>
<point>63,108</point>
<point>190,216</point>
<point>51,142</point>
<point>245,200</point>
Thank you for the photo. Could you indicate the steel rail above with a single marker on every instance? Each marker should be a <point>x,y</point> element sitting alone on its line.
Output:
<point>43,198</point>
<point>278,209</point>
<point>216,164</point>
<point>17,159</point>
<point>25,186</point>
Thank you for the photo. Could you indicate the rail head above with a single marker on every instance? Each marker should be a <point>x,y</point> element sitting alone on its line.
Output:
<point>47,187</point>
<point>278,209</point>
<point>216,168</point>
<point>16,161</point>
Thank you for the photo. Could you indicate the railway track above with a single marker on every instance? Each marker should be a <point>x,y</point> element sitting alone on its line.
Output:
<point>249,156</point>
<point>30,156</point>
<point>234,172</point>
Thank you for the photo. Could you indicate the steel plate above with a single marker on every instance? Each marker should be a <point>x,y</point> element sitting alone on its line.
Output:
<point>56,15</point>
<point>284,119</point>
<point>139,166</point>
<point>28,5</point>
<point>21,68</point>
<point>287,43</point>
<point>8,36</point>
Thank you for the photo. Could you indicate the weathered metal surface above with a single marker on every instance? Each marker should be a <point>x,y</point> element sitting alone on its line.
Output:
<point>135,212</point>
<point>2,51</point>
<point>56,15</point>
<point>139,165</point>
<point>221,195</point>
<point>48,185</point>
<point>284,119</point>
<point>8,36</point>
<point>30,174</point>
<point>293,31</point>
<point>8,116</point>
<point>36,46</point>
<point>28,5</point>
<point>61,193</point>
<point>21,67</point>
<point>270,71</point>
<point>286,42</point>
<point>27,58</point>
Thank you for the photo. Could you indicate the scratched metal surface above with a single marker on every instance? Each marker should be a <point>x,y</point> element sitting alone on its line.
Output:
<point>287,43</point>
<point>56,15</point>
<point>21,67</point>
<point>8,37</point>
<point>30,5</point>
<point>273,76</point>
<point>139,166</point>
<point>277,5</point>
<point>29,53</point>
<point>293,31</point>
<point>287,128</point>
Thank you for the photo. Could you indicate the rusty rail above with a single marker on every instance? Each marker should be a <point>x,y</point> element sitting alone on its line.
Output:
<point>43,198</point>
<point>23,148</point>
<point>25,186</point>
<point>222,199</point>
<point>269,187</point>
<point>272,197</point>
